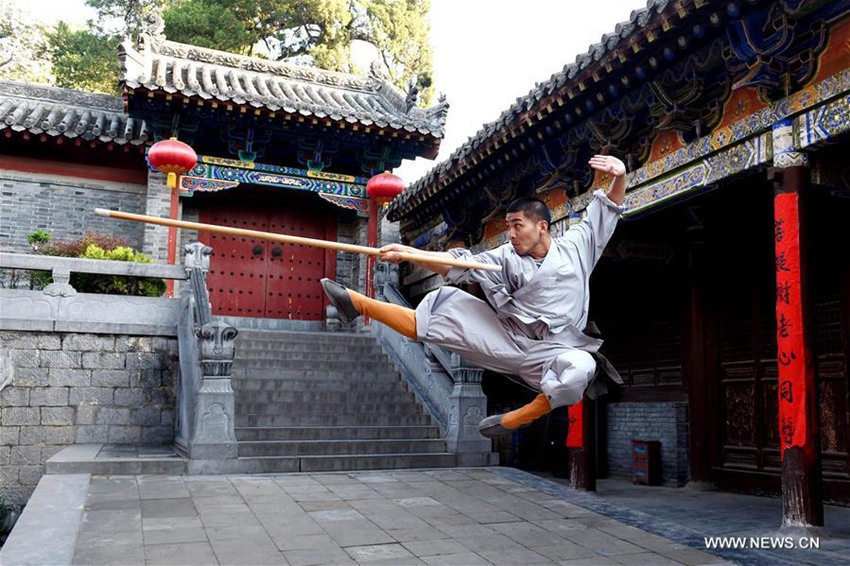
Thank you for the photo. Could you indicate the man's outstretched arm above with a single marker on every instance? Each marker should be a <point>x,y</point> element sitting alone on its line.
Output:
<point>387,254</point>
<point>613,166</point>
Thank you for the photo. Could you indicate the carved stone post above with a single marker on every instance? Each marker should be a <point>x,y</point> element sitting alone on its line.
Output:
<point>468,407</point>
<point>214,435</point>
<point>61,286</point>
<point>197,255</point>
<point>332,322</point>
<point>197,264</point>
<point>385,273</point>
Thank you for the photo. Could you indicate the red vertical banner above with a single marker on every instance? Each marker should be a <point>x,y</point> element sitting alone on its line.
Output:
<point>575,427</point>
<point>791,347</point>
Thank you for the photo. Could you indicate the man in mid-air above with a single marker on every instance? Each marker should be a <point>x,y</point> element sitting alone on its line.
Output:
<point>532,323</point>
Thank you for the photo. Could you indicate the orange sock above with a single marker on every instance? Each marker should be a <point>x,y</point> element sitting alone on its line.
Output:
<point>527,414</point>
<point>397,317</point>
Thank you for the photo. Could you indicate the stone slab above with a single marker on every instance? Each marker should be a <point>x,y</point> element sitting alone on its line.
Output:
<point>46,532</point>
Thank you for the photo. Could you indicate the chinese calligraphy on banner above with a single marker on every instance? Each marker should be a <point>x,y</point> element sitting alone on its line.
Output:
<point>791,356</point>
<point>575,432</point>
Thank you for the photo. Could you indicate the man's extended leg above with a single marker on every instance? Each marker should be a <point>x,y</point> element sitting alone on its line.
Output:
<point>463,324</point>
<point>351,304</point>
<point>563,382</point>
<point>500,425</point>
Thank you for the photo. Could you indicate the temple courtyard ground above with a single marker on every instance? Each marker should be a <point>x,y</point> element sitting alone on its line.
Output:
<point>464,516</point>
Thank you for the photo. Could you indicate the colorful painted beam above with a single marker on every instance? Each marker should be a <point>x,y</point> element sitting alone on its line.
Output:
<point>217,174</point>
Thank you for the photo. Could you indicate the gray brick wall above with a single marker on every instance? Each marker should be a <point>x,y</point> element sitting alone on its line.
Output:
<point>666,422</point>
<point>157,203</point>
<point>361,234</point>
<point>80,388</point>
<point>189,214</point>
<point>64,206</point>
<point>389,232</point>
<point>347,262</point>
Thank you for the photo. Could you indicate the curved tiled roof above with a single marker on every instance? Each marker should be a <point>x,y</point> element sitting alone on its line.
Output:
<point>63,112</point>
<point>172,67</point>
<point>523,105</point>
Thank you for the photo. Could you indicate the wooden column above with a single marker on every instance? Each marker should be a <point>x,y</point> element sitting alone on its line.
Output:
<point>802,498</point>
<point>696,360</point>
<point>581,445</point>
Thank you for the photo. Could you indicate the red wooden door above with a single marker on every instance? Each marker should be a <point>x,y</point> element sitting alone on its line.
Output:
<point>260,278</point>
<point>293,289</point>
<point>237,277</point>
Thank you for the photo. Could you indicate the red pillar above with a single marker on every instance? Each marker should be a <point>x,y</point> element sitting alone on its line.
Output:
<point>172,239</point>
<point>580,446</point>
<point>802,499</point>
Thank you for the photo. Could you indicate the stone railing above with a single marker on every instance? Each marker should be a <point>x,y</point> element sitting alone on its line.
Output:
<point>60,308</point>
<point>205,400</point>
<point>448,387</point>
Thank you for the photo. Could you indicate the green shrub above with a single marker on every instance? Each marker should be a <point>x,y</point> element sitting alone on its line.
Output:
<point>109,248</point>
<point>38,238</point>
<point>117,284</point>
<point>78,247</point>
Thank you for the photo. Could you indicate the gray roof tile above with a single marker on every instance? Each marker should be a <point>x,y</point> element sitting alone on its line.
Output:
<point>194,71</point>
<point>64,112</point>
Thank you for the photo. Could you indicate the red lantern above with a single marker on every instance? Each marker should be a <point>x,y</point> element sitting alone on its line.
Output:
<point>384,187</point>
<point>173,157</point>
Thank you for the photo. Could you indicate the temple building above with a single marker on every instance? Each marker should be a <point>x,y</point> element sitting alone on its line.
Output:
<point>281,148</point>
<point>724,298</point>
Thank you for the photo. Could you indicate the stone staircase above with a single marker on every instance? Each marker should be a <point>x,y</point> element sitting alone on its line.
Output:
<point>321,401</point>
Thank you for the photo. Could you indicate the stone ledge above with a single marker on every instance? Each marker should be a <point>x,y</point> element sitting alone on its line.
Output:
<point>93,459</point>
<point>46,533</point>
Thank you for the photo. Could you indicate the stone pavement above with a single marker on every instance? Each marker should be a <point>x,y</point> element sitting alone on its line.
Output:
<point>458,516</point>
<point>688,516</point>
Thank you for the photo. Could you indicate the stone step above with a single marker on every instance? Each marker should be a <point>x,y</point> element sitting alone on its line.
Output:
<point>240,373</point>
<point>294,336</point>
<point>336,432</point>
<point>325,365</point>
<point>339,447</point>
<point>276,384</point>
<point>313,401</point>
<point>106,460</point>
<point>378,419</point>
<point>317,408</point>
<point>350,397</point>
<point>320,358</point>
<point>337,463</point>
<point>306,347</point>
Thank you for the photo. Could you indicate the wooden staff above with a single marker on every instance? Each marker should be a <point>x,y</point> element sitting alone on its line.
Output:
<point>291,239</point>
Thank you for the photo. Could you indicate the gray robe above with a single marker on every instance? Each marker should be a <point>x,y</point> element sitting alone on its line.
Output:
<point>532,324</point>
